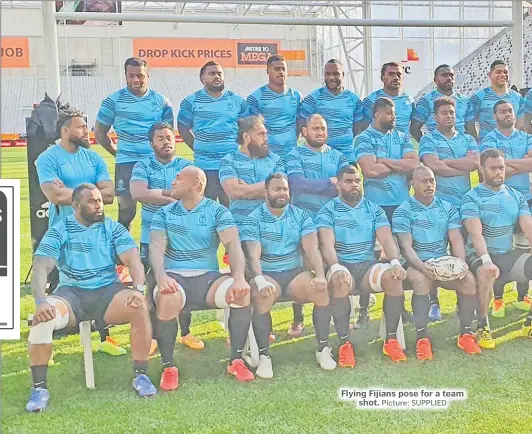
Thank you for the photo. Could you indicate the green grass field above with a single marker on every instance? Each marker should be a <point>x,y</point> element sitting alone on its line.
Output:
<point>301,397</point>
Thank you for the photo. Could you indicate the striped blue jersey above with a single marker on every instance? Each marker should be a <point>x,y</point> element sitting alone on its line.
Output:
<point>312,164</point>
<point>132,117</point>
<point>354,228</point>
<point>340,112</point>
<point>449,188</point>
<point>86,255</point>
<point>157,176</point>
<point>240,166</point>
<point>498,211</point>
<point>515,147</point>
<point>424,110</point>
<point>74,169</point>
<point>483,102</point>
<point>213,122</point>
<point>393,189</point>
<point>429,225</point>
<point>280,112</point>
<point>528,102</point>
<point>280,237</point>
<point>192,236</point>
<point>404,108</point>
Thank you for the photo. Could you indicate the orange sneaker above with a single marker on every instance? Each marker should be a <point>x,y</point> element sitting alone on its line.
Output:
<point>169,379</point>
<point>468,343</point>
<point>123,274</point>
<point>393,350</point>
<point>346,356</point>
<point>153,347</point>
<point>424,349</point>
<point>192,342</point>
<point>239,370</point>
<point>271,338</point>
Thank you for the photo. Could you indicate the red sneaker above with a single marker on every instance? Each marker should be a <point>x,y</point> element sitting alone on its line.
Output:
<point>169,379</point>
<point>346,356</point>
<point>424,349</point>
<point>296,330</point>
<point>393,350</point>
<point>239,370</point>
<point>468,343</point>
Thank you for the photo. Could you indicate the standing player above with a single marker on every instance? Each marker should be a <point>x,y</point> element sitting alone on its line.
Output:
<point>347,228</point>
<point>85,247</point>
<point>425,225</point>
<point>452,156</point>
<point>184,239</point>
<point>424,112</point>
<point>341,109</point>
<point>279,105</point>
<point>131,111</point>
<point>490,213</point>
<point>517,148</point>
<point>528,111</point>
<point>275,236</point>
<point>392,79</point>
<point>499,89</point>
<point>207,121</point>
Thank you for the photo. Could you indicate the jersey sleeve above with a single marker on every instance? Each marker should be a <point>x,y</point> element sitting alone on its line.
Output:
<point>453,221</point>
<point>367,107</point>
<point>102,173</point>
<point>293,163</point>
<point>342,160</point>
<point>325,218</point>
<point>363,146</point>
<point>279,165</point>
<point>223,219</point>
<point>469,208</point>
<point>244,110</point>
<point>186,113</point>
<point>379,217</point>
<point>122,239</point>
<point>488,142</point>
<point>52,242</point>
<point>253,104</point>
<point>402,219</point>
<point>106,114</point>
<point>227,168</point>
<point>358,114</point>
<point>427,146</point>
<point>308,106</point>
<point>158,222</point>
<point>472,145</point>
<point>476,102</point>
<point>422,110</point>
<point>168,112</point>
<point>46,168</point>
<point>528,102</point>
<point>521,106</point>
<point>307,224</point>
<point>250,229</point>
<point>407,145</point>
<point>140,172</point>
<point>470,111</point>
<point>524,209</point>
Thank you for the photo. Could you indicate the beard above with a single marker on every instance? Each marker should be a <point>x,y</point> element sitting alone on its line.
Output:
<point>216,87</point>
<point>84,143</point>
<point>352,196</point>
<point>93,218</point>
<point>315,144</point>
<point>258,150</point>
<point>278,203</point>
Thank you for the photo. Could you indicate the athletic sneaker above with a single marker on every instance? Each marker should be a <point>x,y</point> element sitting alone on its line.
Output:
<point>38,399</point>
<point>484,339</point>
<point>498,310</point>
<point>123,274</point>
<point>393,350</point>
<point>111,347</point>
<point>424,349</point>
<point>325,359</point>
<point>468,343</point>
<point>239,370</point>
<point>143,386</point>
<point>153,347</point>
<point>362,321</point>
<point>191,342</point>
<point>346,356</point>
<point>264,369</point>
<point>524,304</point>
<point>272,338</point>
<point>527,331</point>
<point>169,379</point>
<point>434,313</point>
<point>296,330</point>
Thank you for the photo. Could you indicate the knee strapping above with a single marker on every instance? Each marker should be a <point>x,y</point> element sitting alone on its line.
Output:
<point>42,333</point>
<point>221,292</point>
<point>337,267</point>
<point>375,276</point>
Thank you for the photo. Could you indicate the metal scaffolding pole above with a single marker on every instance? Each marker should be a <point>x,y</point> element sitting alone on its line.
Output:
<point>346,53</point>
<point>51,49</point>
<point>518,62</point>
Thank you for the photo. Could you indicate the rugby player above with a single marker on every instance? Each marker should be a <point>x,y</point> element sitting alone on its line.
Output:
<point>425,226</point>
<point>184,239</point>
<point>84,247</point>
<point>347,227</point>
<point>279,105</point>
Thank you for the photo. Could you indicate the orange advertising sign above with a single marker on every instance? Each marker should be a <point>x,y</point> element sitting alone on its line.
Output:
<point>15,53</point>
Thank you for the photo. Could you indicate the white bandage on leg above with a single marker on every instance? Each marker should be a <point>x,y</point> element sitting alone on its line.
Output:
<point>42,332</point>
<point>221,292</point>
<point>521,242</point>
<point>181,290</point>
<point>375,276</point>
<point>337,267</point>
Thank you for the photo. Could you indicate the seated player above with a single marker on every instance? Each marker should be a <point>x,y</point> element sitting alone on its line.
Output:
<point>184,239</point>
<point>490,213</point>
<point>85,248</point>
<point>425,225</point>
<point>347,226</point>
<point>274,236</point>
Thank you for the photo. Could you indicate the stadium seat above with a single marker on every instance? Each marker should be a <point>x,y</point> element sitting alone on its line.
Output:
<point>85,336</point>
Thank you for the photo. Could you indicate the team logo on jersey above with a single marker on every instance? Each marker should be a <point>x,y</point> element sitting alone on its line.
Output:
<point>442,213</point>
<point>293,224</point>
<point>230,106</point>
<point>292,102</point>
<point>120,184</point>
<point>202,220</point>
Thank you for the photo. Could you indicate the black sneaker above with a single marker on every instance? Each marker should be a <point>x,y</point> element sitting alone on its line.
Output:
<point>362,321</point>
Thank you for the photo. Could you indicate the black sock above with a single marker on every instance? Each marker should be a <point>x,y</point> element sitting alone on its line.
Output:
<point>522,290</point>
<point>185,319</point>
<point>364,303</point>
<point>298,312</point>
<point>166,332</point>
<point>421,307</point>
<point>140,367</point>
<point>39,375</point>
<point>321,317</point>
<point>483,323</point>
<point>466,309</point>
<point>239,321</point>
<point>433,296</point>
<point>394,306</point>
<point>528,320</point>
<point>341,309</point>
<point>104,333</point>
<point>261,328</point>
<point>498,291</point>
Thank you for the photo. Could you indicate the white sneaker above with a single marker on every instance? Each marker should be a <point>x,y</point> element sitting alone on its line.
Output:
<point>325,359</point>
<point>264,369</point>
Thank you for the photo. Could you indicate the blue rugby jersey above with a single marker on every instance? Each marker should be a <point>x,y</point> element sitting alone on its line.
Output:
<point>404,108</point>
<point>528,102</point>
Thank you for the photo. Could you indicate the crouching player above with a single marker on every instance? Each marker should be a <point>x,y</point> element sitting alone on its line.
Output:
<point>184,239</point>
<point>347,228</point>
<point>85,248</point>
<point>425,225</point>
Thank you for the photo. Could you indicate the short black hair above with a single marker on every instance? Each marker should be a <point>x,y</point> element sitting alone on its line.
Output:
<point>334,62</point>
<point>64,118</point>
<point>439,68</point>
<point>382,102</point>
<point>500,102</point>
<point>490,153</point>
<point>76,194</point>
<point>497,63</point>
<point>388,64</point>
<point>209,63</point>
<point>275,175</point>
<point>275,58</point>
<point>158,126</point>
<point>443,101</point>
<point>245,125</point>
<point>346,170</point>
<point>135,61</point>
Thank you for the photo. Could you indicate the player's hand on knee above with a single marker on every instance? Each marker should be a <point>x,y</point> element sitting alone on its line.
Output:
<point>319,284</point>
<point>135,300</point>
<point>167,285</point>
<point>340,278</point>
<point>491,270</point>
<point>44,312</point>
<point>398,272</point>
<point>266,290</point>
<point>429,272</point>
<point>239,289</point>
